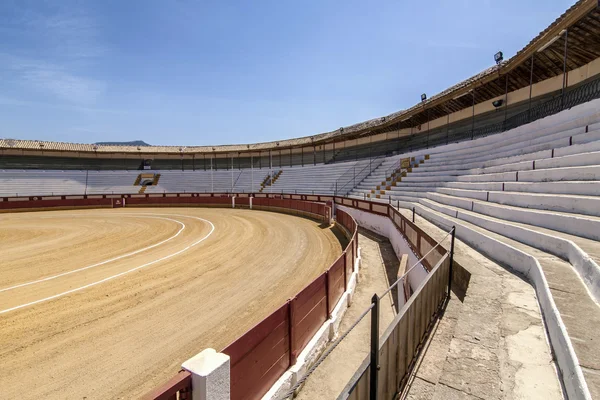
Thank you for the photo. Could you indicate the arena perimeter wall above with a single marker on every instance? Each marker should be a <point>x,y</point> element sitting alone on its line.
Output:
<point>260,357</point>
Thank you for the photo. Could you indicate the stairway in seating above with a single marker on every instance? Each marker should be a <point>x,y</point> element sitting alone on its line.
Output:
<point>387,175</point>
<point>268,181</point>
<point>155,180</point>
<point>137,180</point>
<point>142,190</point>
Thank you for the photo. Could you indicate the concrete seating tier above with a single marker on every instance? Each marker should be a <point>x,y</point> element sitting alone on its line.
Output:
<point>535,189</point>
<point>41,183</point>
<point>314,179</point>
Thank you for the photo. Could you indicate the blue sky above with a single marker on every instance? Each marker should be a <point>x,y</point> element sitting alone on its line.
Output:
<point>191,72</point>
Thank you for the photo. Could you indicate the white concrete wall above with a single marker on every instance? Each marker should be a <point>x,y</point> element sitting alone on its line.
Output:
<point>385,227</point>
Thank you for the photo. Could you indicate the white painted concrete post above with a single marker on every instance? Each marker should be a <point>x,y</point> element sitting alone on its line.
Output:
<point>251,203</point>
<point>210,375</point>
<point>232,201</point>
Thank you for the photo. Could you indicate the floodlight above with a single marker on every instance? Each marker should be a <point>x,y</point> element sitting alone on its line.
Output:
<point>498,103</point>
<point>498,57</point>
<point>423,97</point>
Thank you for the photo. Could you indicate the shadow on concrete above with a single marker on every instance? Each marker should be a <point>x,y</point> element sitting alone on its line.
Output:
<point>422,350</point>
<point>390,261</point>
<point>339,234</point>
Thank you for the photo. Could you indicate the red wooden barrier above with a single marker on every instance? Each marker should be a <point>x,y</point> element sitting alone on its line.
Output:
<point>178,387</point>
<point>309,312</point>
<point>260,356</point>
<point>5,205</point>
<point>336,282</point>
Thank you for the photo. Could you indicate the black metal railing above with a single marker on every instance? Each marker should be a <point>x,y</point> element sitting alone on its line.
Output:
<point>354,176</point>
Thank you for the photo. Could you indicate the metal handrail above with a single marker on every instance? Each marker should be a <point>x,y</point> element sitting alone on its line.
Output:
<point>340,185</point>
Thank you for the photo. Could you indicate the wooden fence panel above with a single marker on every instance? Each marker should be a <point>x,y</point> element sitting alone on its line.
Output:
<point>336,284</point>
<point>260,356</point>
<point>309,312</point>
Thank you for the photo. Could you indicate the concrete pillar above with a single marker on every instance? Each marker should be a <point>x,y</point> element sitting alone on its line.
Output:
<point>210,375</point>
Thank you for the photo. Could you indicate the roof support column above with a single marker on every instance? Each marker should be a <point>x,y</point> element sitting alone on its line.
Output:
<point>565,82</point>
<point>447,127</point>
<point>473,115</point>
<point>505,102</point>
<point>530,86</point>
<point>428,119</point>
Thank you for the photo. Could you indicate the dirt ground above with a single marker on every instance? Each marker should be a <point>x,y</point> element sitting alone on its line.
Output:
<point>75,326</point>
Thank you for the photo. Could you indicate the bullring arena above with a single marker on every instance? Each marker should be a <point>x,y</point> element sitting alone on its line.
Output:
<point>449,250</point>
<point>149,284</point>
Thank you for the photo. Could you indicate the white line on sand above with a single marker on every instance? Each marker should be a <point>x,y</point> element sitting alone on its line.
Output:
<point>103,262</point>
<point>212,229</point>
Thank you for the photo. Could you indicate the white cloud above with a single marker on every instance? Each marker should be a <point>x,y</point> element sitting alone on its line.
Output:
<point>45,77</point>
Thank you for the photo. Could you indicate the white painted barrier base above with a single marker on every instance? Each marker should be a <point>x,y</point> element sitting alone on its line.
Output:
<point>326,334</point>
<point>210,375</point>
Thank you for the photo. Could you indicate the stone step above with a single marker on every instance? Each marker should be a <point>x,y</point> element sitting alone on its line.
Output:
<point>575,224</point>
<point>569,294</point>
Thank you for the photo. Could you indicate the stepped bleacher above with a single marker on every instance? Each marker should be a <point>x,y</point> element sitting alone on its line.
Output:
<point>536,189</point>
<point>41,183</point>
<point>319,178</point>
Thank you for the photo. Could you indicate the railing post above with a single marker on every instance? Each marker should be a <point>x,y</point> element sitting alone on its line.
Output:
<point>374,373</point>
<point>413,215</point>
<point>451,260</point>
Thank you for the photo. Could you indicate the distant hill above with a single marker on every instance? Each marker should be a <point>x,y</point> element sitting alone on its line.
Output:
<point>132,143</point>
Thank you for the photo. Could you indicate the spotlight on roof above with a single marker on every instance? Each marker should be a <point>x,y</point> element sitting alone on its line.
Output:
<point>423,97</point>
<point>498,103</point>
<point>498,57</point>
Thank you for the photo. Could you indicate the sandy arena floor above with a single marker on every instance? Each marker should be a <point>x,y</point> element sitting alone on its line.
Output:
<point>103,304</point>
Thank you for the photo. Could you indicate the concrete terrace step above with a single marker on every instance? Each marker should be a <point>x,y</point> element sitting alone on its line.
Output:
<point>575,160</point>
<point>582,253</point>
<point>578,311</point>
<point>586,173</point>
<point>495,159</point>
<point>575,224</point>
<point>587,188</point>
<point>559,140</point>
<point>588,205</point>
